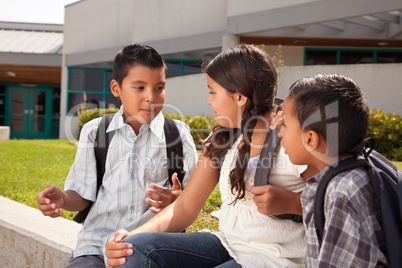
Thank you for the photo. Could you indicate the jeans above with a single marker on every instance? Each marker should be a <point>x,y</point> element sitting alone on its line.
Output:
<point>178,250</point>
<point>87,261</point>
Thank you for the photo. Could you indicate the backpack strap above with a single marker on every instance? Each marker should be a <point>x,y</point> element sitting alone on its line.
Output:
<point>174,150</point>
<point>341,166</point>
<point>101,146</point>
<point>264,166</point>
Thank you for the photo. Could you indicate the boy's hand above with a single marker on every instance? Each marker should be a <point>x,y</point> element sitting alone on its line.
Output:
<point>50,201</point>
<point>275,200</point>
<point>165,197</point>
<point>116,251</point>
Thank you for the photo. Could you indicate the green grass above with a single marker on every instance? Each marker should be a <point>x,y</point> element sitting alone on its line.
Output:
<point>28,166</point>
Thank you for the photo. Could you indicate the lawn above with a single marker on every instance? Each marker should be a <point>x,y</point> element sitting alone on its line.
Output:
<point>28,166</point>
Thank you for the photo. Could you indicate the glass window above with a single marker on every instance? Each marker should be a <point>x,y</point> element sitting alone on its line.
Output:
<point>112,101</point>
<point>78,101</point>
<point>109,78</point>
<point>86,80</point>
<point>1,121</point>
<point>356,57</point>
<point>56,91</point>
<point>320,57</point>
<point>56,107</point>
<point>191,68</point>
<point>55,128</point>
<point>389,57</point>
<point>2,104</point>
<point>173,69</point>
<point>2,89</point>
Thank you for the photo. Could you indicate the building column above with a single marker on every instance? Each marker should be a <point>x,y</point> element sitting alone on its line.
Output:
<point>229,41</point>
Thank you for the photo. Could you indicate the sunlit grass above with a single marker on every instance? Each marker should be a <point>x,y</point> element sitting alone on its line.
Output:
<point>28,166</point>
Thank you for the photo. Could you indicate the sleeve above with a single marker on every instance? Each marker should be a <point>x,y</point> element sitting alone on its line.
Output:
<point>190,155</point>
<point>82,175</point>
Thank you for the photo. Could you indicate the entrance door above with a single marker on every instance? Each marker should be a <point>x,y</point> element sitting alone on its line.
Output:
<point>31,112</point>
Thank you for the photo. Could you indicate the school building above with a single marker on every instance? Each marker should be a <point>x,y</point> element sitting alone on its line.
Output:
<point>49,72</point>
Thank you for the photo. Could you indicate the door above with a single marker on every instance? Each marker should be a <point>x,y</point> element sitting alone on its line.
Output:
<point>31,112</point>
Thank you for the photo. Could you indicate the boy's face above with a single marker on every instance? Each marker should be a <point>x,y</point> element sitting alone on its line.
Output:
<point>292,135</point>
<point>142,94</point>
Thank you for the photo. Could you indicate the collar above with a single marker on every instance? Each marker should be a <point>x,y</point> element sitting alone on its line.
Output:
<point>156,126</point>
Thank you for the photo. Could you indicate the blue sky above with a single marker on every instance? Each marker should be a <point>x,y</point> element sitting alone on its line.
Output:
<point>35,11</point>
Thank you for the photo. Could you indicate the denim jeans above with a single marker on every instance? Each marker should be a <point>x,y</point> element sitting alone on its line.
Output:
<point>87,261</point>
<point>178,250</point>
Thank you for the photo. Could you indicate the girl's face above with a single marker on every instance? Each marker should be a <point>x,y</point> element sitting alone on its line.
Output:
<point>226,106</point>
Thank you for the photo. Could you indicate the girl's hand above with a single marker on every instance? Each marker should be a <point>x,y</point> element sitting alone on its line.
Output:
<point>164,196</point>
<point>276,121</point>
<point>116,251</point>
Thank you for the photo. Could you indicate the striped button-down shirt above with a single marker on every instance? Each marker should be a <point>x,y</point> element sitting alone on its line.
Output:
<point>352,234</point>
<point>132,164</point>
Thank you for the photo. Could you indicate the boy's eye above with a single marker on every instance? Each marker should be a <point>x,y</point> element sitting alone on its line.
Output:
<point>160,88</point>
<point>139,88</point>
<point>210,93</point>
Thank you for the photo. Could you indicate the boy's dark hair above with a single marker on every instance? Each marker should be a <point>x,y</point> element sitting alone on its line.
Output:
<point>135,54</point>
<point>331,101</point>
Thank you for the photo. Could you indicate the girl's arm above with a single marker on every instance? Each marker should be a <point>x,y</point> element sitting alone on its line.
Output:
<point>175,217</point>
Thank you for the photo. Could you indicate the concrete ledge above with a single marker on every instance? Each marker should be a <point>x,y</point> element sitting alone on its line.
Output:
<point>4,133</point>
<point>29,239</point>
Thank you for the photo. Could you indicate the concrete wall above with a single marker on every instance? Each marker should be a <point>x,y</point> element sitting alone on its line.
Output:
<point>381,83</point>
<point>30,240</point>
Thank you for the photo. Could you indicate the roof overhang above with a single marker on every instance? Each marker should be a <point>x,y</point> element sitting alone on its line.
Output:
<point>335,19</point>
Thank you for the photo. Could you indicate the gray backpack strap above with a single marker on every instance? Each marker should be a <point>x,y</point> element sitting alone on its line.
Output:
<point>264,166</point>
<point>267,156</point>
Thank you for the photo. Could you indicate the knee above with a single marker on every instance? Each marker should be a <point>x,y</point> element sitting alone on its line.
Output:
<point>143,241</point>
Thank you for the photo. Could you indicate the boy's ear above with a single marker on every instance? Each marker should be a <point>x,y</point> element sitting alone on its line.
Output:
<point>311,140</point>
<point>115,88</point>
<point>241,99</point>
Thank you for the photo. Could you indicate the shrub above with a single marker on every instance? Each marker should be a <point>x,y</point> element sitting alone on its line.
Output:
<point>200,125</point>
<point>387,131</point>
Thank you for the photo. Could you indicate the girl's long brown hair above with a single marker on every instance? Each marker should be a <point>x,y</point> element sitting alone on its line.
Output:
<point>249,71</point>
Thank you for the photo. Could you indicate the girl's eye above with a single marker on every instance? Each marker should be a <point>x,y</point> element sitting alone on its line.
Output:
<point>210,93</point>
<point>160,88</point>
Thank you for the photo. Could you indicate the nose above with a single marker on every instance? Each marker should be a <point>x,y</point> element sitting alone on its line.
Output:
<point>280,134</point>
<point>209,100</point>
<point>149,95</point>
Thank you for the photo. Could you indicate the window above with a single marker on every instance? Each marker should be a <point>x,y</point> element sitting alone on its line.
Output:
<point>2,104</point>
<point>90,87</point>
<point>326,56</point>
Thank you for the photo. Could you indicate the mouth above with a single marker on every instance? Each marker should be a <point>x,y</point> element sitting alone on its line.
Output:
<point>147,111</point>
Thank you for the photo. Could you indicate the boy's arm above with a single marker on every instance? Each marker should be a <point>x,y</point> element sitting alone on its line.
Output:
<point>275,200</point>
<point>52,199</point>
<point>168,196</point>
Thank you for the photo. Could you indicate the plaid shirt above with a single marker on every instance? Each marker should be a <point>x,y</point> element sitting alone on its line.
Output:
<point>352,234</point>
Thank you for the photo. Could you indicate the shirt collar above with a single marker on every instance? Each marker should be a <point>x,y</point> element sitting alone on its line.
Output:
<point>156,126</point>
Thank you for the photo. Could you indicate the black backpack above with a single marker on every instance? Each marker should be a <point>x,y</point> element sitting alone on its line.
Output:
<point>174,150</point>
<point>386,180</point>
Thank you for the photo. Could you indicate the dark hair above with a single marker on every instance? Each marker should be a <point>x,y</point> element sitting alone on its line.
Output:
<point>249,71</point>
<point>133,55</point>
<point>332,101</point>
